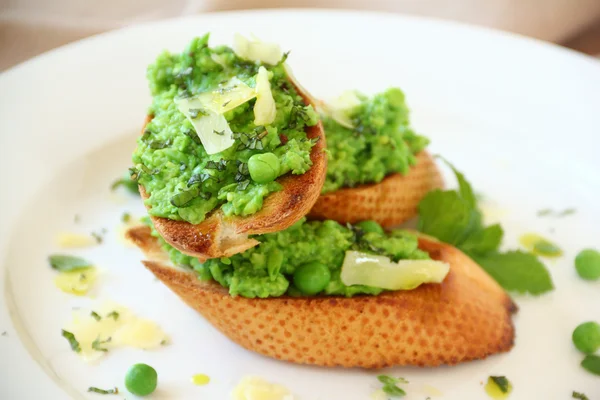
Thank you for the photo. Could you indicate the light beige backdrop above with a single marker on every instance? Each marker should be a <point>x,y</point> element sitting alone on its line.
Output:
<point>30,27</point>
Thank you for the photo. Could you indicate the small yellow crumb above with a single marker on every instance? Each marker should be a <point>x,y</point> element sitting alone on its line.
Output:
<point>75,240</point>
<point>200,379</point>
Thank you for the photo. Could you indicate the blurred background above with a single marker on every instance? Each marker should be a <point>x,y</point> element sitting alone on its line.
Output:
<point>30,27</point>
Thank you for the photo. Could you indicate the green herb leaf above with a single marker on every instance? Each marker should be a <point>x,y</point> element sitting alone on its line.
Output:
<point>126,217</point>
<point>484,240</point>
<point>72,341</point>
<point>98,237</point>
<point>102,391</point>
<point>97,343</point>
<point>501,382</point>
<point>546,248</point>
<point>65,263</point>
<point>390,385</point>
<point>446,216</point>
<point>113,314</point>
<point>580,396</point>
<point>516,271</point>
<point>95,315</point>
<point>242,185</point>
<point>390,380</point>
<point>591,363</point>
<point>184,199</point>
<point>393,391</point>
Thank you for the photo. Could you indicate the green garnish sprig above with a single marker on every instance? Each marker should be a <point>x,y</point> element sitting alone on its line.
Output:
<point>72,341</point>
<point>93,389</point>
<point>453,216</point>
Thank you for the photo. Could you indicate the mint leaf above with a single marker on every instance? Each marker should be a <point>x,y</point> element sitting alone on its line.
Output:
<point>65,263</point>
<point>483,240</point>
<point>446,216</point>
<point>516,271</point>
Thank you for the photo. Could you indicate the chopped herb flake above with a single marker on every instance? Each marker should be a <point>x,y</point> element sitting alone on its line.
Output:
<point>242,185</point>
<point>98,237</point>
<point>65,263</point>
<point>72,341</point>
<point>549,212</point>
<point>195,112</point>
<point>580,396</point>
<point>95,315</point>
<point>390,385</point>
<point>113,314</point>
<point>4,333</point>
<point>102,391</point>
<point>126,217</point>
<point>97,343</point>
<point>220,133</point>
<point>501,382</point>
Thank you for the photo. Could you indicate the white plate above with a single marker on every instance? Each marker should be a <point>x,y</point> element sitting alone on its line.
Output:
<point>520,117</point>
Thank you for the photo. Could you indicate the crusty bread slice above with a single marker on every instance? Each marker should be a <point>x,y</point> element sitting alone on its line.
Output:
<point>466,317</point>
<point>390,202</point>
<point>221,236</point>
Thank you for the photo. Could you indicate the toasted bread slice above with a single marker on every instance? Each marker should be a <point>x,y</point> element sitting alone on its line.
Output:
<point>221,236</point>
<point>466,317</point>
<point>390,202</point>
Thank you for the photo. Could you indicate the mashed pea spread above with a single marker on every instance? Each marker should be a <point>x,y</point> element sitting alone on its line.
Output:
<point>304,259</point>
<point>223,129</point>
<point>369,138</point>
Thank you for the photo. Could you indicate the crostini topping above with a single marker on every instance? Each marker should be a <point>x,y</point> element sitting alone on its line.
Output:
<point>303,260</point>
<point>368,138</point>
<point>208,119</point>
<point>378,271</point>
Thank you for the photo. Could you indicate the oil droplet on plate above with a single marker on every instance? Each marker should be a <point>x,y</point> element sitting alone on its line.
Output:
<point>493,390</point>
<point>539,245</point>
<point>200,379</point>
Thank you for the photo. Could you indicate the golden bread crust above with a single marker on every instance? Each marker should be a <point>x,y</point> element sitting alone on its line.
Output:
<point>390,202</point>
<point>466,317</point>
<point>221,236</point>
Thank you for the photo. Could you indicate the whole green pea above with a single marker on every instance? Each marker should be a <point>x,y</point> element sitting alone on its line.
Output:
<point>264,168</point>
<point>587,264</point>
<point>141,379</point>
<point>370,226</point>
<point>586,337</point>
<point>311,278</point>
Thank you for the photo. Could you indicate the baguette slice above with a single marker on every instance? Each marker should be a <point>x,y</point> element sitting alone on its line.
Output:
<point>390,202</point>
<point>221,236</point>
<point>466,317</point>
